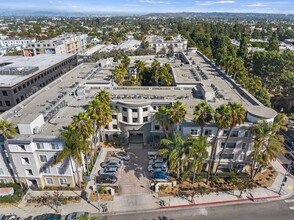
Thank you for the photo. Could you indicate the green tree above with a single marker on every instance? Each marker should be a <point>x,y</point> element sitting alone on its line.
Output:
<point>203,114</point>
<point>126,61</point>
<point>8,130</point>
<point>273,43</point>
<point>198,152</point>
<point>177,113</point>
<point>243,49</point>
<point>175,149</point>
<point>235,116</point>
<point>162,117</point>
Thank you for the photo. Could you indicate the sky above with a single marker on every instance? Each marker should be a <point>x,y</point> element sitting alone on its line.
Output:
<point>146,6</point>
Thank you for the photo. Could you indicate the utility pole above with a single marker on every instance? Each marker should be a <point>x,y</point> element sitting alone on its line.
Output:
<point>284,177</point>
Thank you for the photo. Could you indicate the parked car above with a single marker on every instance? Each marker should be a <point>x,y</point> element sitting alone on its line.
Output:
<point>48,217</point>
<point>2,217</point>
<point>160,176</point>
<point>290,144</point>
<point>76,215</point>
<point>157,160</point>
<point>111,163</point>
<point>11,217</point>
<point>157,167</point>
<point>108,170</point>
<point>122,155</point>
<point>106,178</point>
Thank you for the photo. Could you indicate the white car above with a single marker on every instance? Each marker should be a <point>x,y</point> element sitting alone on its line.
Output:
<point>108,170</point>
<point>111,163</point>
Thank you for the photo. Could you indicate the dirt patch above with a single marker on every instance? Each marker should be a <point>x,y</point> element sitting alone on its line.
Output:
<point>266,178</point>
<point>103,197</point>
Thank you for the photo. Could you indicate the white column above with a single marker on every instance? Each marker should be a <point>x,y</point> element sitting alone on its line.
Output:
<point>130,116</point>
<point>140,115</point>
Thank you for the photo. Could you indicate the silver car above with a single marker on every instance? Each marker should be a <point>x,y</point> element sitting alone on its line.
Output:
<point>157,167</point>
<point>111,163</point>
<point>108,170</point>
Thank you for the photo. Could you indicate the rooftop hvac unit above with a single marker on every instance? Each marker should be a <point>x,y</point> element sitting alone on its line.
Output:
<point>36,130</point>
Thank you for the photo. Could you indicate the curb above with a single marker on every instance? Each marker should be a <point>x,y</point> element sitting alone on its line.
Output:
<point>222,202</point>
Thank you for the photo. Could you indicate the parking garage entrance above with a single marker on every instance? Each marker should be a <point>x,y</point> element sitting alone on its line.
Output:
<point>136,139</point>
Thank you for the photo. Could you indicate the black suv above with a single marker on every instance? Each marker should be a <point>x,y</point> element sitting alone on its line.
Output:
<point>104,178</point>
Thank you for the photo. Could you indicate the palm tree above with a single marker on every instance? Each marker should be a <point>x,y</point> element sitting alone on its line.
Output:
<point>74,146</point>
<point>95,116</point>
<point>280,123</point>
<point>175,149</point>
<point>83,125</point>
<point>140,66</point>
<point>126,61</point>
<point>203,114</point>
<point>221,120</point>
<point>261,131</point>
<point>103,97</point>
<point>197,151</point>
<point>162,118</point>
<point>8,130</point>
<point>177,112</point>
<point>119,74</point>
<point>236,116</point>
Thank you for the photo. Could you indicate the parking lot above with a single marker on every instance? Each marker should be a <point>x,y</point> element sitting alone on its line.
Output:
<point>133,176</point>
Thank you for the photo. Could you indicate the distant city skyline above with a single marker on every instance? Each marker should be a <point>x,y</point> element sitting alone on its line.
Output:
<point>146,6</point>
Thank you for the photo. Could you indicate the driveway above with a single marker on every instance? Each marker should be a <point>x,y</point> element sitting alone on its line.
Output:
<point>134,176</point>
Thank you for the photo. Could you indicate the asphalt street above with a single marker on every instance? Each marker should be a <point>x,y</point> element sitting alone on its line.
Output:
<point>281,210</point>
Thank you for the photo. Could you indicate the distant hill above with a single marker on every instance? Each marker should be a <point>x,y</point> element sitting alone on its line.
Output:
<point>219,15</point>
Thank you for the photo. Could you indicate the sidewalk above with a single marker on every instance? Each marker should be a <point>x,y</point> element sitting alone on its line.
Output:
<point>150,201</point>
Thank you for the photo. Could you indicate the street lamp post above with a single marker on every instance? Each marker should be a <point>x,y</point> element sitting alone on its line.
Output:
<point>284,177</point>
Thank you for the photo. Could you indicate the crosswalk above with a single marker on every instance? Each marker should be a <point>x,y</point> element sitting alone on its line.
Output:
<point>290,203</point>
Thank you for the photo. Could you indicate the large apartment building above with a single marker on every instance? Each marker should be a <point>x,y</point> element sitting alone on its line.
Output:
<point>43,115</point>
<point>20,77</point>
<point>176,43</point>
<point>63,44</point>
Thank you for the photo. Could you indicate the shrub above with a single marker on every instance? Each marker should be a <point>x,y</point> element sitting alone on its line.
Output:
<point>70,198</point>
<point>77,198</point>
<point>163,187</point>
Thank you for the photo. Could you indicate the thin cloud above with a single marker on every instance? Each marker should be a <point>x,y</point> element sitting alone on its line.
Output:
<point>155,2</point>
<point>214,2</point>
<point>258,4</point>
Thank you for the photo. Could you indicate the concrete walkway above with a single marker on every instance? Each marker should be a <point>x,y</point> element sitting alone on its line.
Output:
<point>152,201</point>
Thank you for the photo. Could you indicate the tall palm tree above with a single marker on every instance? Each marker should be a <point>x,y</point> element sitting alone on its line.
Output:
<point>203,114</point>
<point>236,116</point>
<point>177,112</point>
<point>162,118</point>
<point>221,120</point>
<point>7,130</point>
<point>280,123</point>
<point>261,132</point>
<point>175,149</point>
<point>119,74</point>
<point>126,61</point>
<point>74,146</point>
<point>140,66</point>
<point>198,152</point>
<point>103,97</point>
<point>95,115</point>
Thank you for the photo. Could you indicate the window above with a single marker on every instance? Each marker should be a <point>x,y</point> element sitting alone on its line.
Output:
<point>29,172</point>
<point>7,103</point>
<point>154,107</point>
<point>40,146</point>
<point>225,132</point>
<point>49,181</point>
<point>194,131</point>
<point>106,126</point>
<point>43,158</point>
<point>60,170</point>
<point>145,109</point>
<point>125,119</point>
<point>114,126</point>
<point>25,160</point>
<point>1,103</point>
<point>63,181</point>
<point>234,134</point>
<point>1,171</point>
<point>46,170</point>
<point>124,109</point>
<point>145,119</point>
<point>246,134</point>
<point>156,127</point>
<point>3,181</point>
<point>135,110</point>
<point>244,145</point>
<point>207,132</point>
<point>15,91</point>
<point>54,146</point>
<point>4,93</point>
<point>135,120</point>
<point>21,147</point>
<point>17,100</point>
<point>229,145</point>
<point>114,116</point>
<point>228,156</point>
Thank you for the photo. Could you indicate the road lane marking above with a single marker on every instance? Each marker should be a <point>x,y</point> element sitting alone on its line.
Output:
<point>289,200</point>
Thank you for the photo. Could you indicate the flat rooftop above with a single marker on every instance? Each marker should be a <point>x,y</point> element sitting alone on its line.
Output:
<point>42,62</point>
<point>69,95</point>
